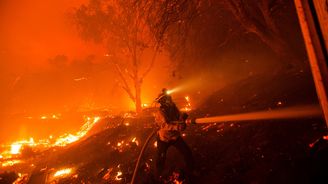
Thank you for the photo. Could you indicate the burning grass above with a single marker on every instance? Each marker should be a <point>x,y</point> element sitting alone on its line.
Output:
<point>109,156</point>
<point>265,151</point>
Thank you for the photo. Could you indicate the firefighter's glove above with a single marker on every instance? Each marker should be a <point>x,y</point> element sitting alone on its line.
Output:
<point>182,126</point>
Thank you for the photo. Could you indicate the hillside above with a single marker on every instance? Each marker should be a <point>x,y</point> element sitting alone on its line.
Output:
<point>261,92</point>
<point>266,151</point>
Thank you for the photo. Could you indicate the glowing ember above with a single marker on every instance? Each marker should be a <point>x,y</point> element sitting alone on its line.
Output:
<point>63,172</point>
<point>135,141</point>
<point>118,176</point>
<point>80,79</point>
<point>128,115</point>
<point>10,163</point>
<point>155,144</point>
<point>325,137</point>
<point>22,178</point>
<point>120,143</point>
<point>107,175</point>
<point>187,98</point>
<point>187,107</point>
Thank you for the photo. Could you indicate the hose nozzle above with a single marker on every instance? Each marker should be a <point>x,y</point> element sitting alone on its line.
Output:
<point>191,121</point>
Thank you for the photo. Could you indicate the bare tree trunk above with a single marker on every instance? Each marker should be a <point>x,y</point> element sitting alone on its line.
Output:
<point>265,29</point>
<point>138,84</point>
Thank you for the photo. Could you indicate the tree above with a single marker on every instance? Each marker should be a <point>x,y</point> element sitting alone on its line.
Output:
<point>123,28</point>
<point>174,22</point>
<point>257,17</point>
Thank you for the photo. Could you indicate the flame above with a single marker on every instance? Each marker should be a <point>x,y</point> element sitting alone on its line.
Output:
<point>63,172</point>
<point>16,147</point>
<point>10,163</point>
<point>68,139</point>
<point>187,107</point>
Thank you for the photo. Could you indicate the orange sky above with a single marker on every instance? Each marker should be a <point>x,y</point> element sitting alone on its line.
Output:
<point>31,33</point>
<point>36,30</point>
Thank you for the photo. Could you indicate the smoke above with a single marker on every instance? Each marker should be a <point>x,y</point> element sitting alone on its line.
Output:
<point>46,68</point>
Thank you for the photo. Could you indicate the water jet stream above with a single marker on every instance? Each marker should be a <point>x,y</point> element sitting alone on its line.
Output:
<point>281,113</point>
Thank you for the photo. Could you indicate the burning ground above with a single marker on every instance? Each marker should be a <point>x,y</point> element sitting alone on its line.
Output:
<point>255,57</point>
<point>105,150</point>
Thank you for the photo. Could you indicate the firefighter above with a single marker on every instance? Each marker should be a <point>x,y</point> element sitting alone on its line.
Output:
<point>170,122</point>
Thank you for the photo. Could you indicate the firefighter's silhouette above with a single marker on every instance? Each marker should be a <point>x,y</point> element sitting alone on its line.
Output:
<point>170,122</point>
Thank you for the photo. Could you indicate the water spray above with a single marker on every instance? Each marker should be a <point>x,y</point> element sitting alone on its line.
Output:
<point>302,111</point>
<point>282,113</point>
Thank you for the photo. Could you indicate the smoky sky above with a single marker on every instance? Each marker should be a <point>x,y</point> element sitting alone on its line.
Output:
<point>45,66</point>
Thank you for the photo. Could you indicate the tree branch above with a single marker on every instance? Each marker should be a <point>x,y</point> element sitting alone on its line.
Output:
<point>267,16</point>
<point>125,85</point>
<point>151,64</point>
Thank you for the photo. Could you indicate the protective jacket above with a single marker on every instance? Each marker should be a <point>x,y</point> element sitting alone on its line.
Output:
<point>169,123</point>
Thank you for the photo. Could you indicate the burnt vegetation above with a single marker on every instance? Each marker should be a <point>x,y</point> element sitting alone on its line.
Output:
<point>194,33</point>
<point>242,38</point>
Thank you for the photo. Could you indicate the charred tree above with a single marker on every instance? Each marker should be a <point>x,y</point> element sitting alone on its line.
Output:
<point>259,18</point>
<point>123,28</point>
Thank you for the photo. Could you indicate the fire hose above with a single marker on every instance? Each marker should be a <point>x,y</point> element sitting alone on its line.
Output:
<point>284,113</point>
<point>141,154</point>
